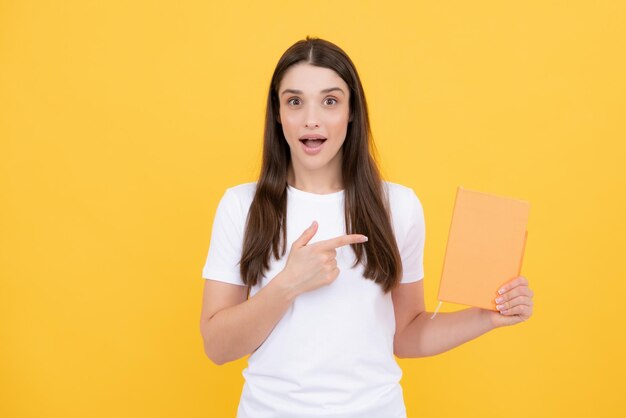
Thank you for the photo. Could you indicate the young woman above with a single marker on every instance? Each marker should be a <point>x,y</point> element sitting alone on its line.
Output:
<point>316,269</point>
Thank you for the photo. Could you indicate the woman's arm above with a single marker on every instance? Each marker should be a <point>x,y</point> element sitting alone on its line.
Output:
<point>417,335</point>
<point>232,326</point>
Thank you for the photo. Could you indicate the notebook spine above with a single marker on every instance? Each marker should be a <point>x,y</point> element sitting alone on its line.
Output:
<point>456,198</point>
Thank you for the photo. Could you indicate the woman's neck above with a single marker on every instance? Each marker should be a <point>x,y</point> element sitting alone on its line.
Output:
<point>318,183</point>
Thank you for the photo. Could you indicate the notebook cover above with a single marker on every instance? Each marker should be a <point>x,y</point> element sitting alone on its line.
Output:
<point>485,247</point>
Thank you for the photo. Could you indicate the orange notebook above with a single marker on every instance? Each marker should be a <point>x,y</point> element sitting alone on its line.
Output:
<point>485,247</point>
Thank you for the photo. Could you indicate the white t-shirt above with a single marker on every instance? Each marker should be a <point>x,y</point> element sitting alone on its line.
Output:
<point>331,354</point>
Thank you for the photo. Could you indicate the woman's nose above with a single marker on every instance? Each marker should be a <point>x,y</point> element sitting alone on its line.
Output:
<point>312,120</point>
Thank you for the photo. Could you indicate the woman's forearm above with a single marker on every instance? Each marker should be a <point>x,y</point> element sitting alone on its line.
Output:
<point>239,330</point>
<point>427,337</point>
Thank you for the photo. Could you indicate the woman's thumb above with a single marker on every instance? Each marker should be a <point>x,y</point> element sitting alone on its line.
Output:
<point>306,236</point>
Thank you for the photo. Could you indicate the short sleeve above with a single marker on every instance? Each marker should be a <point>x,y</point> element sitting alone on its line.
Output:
<point>412,247</point>
<point>222,263</point>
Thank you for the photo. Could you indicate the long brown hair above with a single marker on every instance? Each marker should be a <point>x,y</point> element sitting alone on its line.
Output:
<point>366,207</point>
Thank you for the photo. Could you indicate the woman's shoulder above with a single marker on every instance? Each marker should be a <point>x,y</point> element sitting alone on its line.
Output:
<point>243,189</point>
<point>399,193</point>
<point>405,207</point>
<point>240,194</point>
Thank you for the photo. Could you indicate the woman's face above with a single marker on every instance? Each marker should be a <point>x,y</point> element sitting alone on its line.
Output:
<point>314,104</point>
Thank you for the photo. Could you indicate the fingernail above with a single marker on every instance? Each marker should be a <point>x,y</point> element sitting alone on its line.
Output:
<point>499,307</point>
<point>364,238</point>
<point>501,291</point>
<point>500,300</point>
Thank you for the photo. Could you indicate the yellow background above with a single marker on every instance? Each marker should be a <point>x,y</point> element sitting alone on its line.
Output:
<point>122,123</point>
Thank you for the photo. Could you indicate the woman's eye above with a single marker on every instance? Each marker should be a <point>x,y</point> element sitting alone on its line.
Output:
<point>296,101</point>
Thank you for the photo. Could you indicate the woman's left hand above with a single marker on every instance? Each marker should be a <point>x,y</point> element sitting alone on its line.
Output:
<point>515,303</point>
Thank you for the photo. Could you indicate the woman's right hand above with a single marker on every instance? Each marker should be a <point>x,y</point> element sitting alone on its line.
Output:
<point>309,267</point>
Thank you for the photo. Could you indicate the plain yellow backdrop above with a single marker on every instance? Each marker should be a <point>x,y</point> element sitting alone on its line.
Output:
<point>122,123</point>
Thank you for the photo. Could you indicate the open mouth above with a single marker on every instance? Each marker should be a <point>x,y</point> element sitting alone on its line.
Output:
<point>313,142</point>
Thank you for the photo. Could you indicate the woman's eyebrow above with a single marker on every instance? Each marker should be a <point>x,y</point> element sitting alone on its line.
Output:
<point>328,90</point>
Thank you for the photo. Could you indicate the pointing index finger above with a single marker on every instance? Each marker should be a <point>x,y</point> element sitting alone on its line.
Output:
<point>342,240</point>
